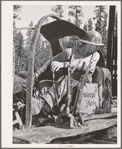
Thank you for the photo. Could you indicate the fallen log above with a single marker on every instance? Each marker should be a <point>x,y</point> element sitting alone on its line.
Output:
<point>95,141</point>
<point>83,118</point>
<point>46,134</point>
<point>99,116</point>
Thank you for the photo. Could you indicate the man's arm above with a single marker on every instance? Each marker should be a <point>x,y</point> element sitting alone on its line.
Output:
<point>83,63</point>
<point>60,59</point>
<point>95,59</point>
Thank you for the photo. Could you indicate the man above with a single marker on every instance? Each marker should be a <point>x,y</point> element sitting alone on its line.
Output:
<point>82,55</point>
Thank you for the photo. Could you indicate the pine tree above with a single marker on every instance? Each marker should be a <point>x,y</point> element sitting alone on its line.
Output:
<point>99,12</point>
<point>42,54</point>
<point>58,10</point>
<point>76,12</point>
<point>104,30</point>
<point>101,22</point>
<point>29,35</point>
<point>18,45</point>
<point>85,27</point>
<point>16,11</point>
<point>90,24</point>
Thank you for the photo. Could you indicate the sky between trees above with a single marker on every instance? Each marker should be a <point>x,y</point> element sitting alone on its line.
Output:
<point>35,12</point>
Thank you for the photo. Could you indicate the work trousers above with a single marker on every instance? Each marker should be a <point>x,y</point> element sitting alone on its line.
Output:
<point>56,93</point>
<point>51,99</point>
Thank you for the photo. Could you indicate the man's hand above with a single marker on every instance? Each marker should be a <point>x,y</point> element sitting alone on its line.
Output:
<point>55,65</point>
<point>35,77</point>
<point>76,63</point>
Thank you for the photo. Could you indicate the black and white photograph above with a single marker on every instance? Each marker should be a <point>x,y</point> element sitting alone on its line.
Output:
<point>61,74</point>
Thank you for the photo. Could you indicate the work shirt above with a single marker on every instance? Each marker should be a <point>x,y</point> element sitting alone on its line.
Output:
<point>83,65</point>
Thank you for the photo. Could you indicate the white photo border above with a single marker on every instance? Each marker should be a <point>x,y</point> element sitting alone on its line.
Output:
<point>7,78</point>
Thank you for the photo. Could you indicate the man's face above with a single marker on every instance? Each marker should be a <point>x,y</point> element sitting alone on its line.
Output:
<point>87,48</point>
